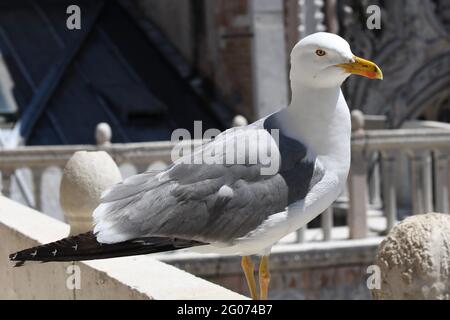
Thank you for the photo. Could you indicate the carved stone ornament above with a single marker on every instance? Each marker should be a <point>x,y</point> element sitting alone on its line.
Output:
<point>412,48</point>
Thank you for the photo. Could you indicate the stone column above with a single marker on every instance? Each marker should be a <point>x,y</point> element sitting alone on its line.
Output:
<point>327,223</point>
<point>141,167</point>
<point>300,235</point>
<point>389,187</point>
<point>375,182</point>
<point>6,182</point>
<point>270,77</point>
<point>441,180</point>
<point>357,184</point>
<point>312,18</point>
<point>422,185</point>
<point>37,183</point>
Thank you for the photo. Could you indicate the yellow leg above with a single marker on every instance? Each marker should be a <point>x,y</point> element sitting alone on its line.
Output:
<point>264,277</point>
<point>249,269</point>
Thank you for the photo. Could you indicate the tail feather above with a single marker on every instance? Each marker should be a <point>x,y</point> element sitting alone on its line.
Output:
<point>86,247</point>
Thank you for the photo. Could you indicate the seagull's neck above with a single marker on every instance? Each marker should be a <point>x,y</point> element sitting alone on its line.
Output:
<point>319,118</point>
<point>312,101</point>
<point>310,114</point>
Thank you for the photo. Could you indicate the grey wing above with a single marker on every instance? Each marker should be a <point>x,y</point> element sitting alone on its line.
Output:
<point>204,202</point>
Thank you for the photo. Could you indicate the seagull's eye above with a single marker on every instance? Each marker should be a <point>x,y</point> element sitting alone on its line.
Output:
<point>320,52</point>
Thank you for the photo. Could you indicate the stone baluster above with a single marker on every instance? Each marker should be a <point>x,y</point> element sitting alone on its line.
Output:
<point>357,184</point>
<point>327,223</point>
<point>311,17</point>
<point>441,179</point>
<point>141,167</point>
<point>267,25</point>
<point>374,183</point>
<point>388,159</point>
<point>301,235</point>
<point>6,181</point>
<point>331,17</point>
<point>37,183</point>
<point>422,186</point>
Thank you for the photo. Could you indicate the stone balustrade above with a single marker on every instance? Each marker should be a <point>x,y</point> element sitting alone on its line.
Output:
<point>141,156</point>
<point>374,176</point>
<point>22,227</point>
<point>425,148</point>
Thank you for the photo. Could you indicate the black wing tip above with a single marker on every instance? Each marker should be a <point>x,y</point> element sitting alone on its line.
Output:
<point>17,256</point>
<point>15,259</point>
<point>18,264</point>
<point>86,247</point>
<point>25,255</point>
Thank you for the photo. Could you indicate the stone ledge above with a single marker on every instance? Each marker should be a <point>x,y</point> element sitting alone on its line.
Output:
<point>283,257</point>
<point>140,277</point>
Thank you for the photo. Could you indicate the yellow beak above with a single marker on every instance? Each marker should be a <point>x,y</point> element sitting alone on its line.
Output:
<point>363,68</point>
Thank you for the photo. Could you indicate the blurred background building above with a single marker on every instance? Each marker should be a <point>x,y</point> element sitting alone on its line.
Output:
<point>147,67</point>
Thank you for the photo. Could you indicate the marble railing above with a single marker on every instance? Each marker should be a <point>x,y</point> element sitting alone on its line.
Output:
<point>415,157</point>
<point>420,151</point>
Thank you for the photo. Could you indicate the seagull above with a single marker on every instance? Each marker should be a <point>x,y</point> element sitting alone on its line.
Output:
<point>237,207</point>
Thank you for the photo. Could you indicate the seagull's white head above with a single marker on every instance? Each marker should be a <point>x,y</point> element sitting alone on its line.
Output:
<point>324,60</point>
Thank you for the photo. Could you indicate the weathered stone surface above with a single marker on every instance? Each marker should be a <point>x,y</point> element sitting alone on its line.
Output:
<point>414,33</point>
<point>140,277</point>
<point>85,177</point>
<point>334,270</point>
<point>415,259</point>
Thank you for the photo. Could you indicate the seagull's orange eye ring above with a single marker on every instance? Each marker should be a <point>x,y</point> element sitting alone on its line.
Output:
<point>320,52</point>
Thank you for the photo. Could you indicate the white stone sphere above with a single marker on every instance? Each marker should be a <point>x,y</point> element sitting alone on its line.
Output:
<point>85,176</point>
<point>414,259</point>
